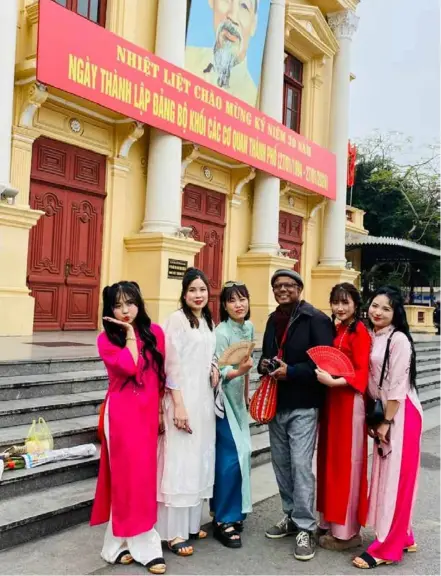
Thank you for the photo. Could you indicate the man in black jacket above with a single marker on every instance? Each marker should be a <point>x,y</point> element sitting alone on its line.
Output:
<point>295,326</point>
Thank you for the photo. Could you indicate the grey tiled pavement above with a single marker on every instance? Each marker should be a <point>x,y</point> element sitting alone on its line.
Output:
<point>76,551</point>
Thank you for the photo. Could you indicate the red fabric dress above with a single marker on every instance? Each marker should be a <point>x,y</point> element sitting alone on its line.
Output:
<point>334,458</point>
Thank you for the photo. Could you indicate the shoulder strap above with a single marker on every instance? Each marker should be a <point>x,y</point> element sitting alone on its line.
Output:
<point>386,356</point>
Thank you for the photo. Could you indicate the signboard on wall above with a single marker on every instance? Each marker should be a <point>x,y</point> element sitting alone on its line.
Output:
<point>225,43</point>
<point>84,59</point>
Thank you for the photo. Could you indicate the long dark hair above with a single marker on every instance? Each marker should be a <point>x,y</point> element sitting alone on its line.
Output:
<point>117,335</point>
<point>341,293</point>
<point>228,291</point>
<point>399,321</point>
<point>192,274</point>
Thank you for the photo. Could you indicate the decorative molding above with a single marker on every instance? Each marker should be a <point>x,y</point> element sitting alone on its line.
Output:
<point>343,24</point>
<point>317,207</point>
<point>236,198</point>
<point>31,11</point>
<point>36,97</point>
<point>159,242</point>
<point>134,133</point>
<point>307,32</point>
<point>18,216</point>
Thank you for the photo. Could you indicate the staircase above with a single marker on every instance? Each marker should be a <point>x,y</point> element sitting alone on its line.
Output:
<point>67,393</point>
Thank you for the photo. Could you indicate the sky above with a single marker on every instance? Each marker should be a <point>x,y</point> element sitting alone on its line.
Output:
<point>396,62</point>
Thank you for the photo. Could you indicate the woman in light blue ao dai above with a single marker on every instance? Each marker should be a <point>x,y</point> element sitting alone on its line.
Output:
<point>231,500</point>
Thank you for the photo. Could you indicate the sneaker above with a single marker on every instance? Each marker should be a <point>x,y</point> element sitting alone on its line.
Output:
<point>285,527</point>
<point>305,546</point>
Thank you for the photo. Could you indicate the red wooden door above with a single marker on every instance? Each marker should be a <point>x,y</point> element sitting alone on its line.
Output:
<point>291,236</point>
<point>65,246</point>
<point>204,211</point>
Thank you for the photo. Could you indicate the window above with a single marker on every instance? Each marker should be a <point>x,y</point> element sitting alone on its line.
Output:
<point>94,10</point>
<point>292,100</point>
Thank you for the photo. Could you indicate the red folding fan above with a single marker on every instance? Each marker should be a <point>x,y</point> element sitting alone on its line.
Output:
<point>331,360</point>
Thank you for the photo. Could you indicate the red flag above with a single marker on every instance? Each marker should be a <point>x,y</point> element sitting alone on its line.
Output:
<point>352,156</point>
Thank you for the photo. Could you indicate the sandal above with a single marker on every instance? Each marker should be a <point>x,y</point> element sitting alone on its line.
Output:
<point>177,548</point>
<point>370,561</point>
<point>124,558</point>
<point>156,566</point>
<point>238,526</point>
<point>201,535</point>
<point>411,548</point>
<point>223,533</point>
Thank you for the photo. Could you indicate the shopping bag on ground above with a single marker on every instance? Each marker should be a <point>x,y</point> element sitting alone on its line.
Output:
<point>39,438</point>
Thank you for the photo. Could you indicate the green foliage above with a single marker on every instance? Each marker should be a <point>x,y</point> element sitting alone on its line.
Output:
<point>401,201</point>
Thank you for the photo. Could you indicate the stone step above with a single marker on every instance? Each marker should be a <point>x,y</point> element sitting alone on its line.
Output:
<point>38,514</point>
<point>424,357</point>
<point>425,347</point>
<point>20,482</point>
<point>49,509</point>
<point>429,398</point>
<point>429,382</point>
<point>32,367</point>
<point>66,433</point>
<point>39,385</point>
<point>428,368</point>
<point>17,412</point>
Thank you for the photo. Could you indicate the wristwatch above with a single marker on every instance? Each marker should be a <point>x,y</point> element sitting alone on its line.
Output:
<point>386,421</point>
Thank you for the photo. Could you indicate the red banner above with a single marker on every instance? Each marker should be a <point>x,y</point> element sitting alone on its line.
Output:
<point>84,59</point>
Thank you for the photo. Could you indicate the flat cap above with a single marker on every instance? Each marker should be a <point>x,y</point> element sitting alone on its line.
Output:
<point>287,272</point>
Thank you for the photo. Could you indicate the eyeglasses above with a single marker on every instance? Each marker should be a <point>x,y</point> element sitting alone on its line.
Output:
<point>287,285</point>
<point>230,284</point>
<point>380,449</point>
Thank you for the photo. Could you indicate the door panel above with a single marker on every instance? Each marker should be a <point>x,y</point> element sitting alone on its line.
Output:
<point>84,237</point>
<point>204,211</point>
<point>291,236</point>
<point>46,256</point>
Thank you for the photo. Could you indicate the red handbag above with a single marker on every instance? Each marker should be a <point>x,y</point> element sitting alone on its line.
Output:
<point>263,405</point>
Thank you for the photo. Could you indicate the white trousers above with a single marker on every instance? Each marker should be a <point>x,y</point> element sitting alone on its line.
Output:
<point>178,522</point>
<point>143,547</point>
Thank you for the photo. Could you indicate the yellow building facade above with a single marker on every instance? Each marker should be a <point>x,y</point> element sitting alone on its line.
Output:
<point>69,156</point>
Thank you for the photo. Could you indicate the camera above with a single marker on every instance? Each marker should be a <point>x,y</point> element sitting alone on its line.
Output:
<point>272,365</point>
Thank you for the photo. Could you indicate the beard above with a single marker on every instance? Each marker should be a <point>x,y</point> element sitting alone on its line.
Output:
<point>225,53</point>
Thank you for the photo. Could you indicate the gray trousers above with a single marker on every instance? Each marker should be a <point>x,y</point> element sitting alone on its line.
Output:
<point>292,439</point>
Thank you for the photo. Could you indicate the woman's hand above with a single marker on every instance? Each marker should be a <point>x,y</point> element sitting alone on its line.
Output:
<point>382,431</point>
<point>324,377</point>
<point>281,371</point>
<point>127,327</point>
<point>161,427</point>
<point>245,365</point>
<point>214,376</point>
<point>180,419</point>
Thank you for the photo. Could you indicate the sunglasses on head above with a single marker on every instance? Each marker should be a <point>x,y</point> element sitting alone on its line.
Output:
<point>230,284</point>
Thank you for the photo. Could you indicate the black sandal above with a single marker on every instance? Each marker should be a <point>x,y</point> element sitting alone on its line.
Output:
<point>156,566</point>
<point>177,547</point>
<point>370,561</point>
<point>225,536</point>
<point>201,535</point>
<point>238,526</point>
<point>121,556</point>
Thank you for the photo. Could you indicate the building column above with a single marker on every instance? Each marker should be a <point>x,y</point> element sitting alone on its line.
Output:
<point>16,304</point>
<point>256,267</point>
<point>163,201</point>
<point>332,268</point>
<point>8,32</point>
<point>265,224</point>
<point>344,25</point>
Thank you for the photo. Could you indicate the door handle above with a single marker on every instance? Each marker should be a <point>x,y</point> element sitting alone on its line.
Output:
<point>67,267</point>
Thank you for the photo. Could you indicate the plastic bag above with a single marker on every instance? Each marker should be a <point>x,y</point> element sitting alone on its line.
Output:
<point>39,438</point>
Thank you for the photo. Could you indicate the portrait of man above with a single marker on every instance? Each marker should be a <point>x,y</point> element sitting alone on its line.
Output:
<point>225,43</point>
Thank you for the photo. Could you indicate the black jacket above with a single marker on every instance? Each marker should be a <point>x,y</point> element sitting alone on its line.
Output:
<point>310,327</point>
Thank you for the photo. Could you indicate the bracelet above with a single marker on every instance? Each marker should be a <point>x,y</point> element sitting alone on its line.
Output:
<point>130,338</point>
<point>386,421</point>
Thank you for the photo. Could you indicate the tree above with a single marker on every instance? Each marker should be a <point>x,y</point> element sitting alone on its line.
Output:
<point>401,200</point>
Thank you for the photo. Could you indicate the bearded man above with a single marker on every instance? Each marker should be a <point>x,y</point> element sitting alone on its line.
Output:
<point>225,64</point>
